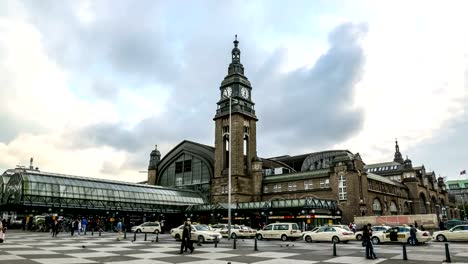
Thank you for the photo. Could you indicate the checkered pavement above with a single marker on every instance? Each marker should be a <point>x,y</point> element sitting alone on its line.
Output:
<point>29,248</point>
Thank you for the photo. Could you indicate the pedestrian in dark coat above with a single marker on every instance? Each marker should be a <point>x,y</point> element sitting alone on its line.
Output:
<point>186,238</point>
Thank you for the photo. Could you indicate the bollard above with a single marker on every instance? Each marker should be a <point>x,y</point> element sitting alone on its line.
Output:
<point>234,245</point>
<point>92,232</point>
<point>447,254</point>
<point>157,237</point>
<point>405,256</point>
<point>134,236</point>
<point>99,232</point>
<point>255,244</point>
<point>145,236</point>
<point>216,242</point>
<point>125,234</point>
<point>334,249</point>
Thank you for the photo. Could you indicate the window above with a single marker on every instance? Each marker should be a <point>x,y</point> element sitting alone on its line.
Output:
<point>308,184</point>
<point>179,167</point>
<point>187,165</point>
<point>265,189</point>
<point>343,195</point>
<point>291,186</point>
<point>277,187</point>
<point>324,183</point>
<point>377,207</point>
<point>224,189</point>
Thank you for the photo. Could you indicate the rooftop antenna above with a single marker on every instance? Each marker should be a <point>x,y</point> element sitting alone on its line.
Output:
<point>31,167</point>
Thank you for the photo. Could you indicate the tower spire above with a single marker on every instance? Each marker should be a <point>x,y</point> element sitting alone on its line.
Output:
<point>236,66</point>
<point>398,157</point>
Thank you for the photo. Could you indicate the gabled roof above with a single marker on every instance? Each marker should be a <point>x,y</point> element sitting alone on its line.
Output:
<point>204,152</point>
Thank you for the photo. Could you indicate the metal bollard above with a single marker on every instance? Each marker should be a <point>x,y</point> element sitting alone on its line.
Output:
<point>134,236</point>
<point>405,256</point>
<point>216,242</point>
<point>145,236</point>
<point>255,244</point>
<point>447,254</point>
<point>92,232</point>
<point>125,234</point>
<point>235,244</point>
<point>99,232</point>
<point>334,248</point>
<point>157,237</point>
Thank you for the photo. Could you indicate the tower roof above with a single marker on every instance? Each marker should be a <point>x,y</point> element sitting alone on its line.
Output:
<point>398,157</point>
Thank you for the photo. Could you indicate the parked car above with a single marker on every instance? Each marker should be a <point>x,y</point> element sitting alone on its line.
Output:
<point>457,233</point>
<point>400,234</point>
<point>238,231</point>
<point>199,233</point>
<point>147,227</point>
<point>328,233</point>
<point>375,229</point>
<point>283,231</point>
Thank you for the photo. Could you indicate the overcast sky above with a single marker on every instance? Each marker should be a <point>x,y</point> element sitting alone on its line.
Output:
<point>89,87</point>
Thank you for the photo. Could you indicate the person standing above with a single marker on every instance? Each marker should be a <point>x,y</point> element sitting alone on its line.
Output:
<point>119,230</point>
<point>353,227</point>
<point>413,235</point>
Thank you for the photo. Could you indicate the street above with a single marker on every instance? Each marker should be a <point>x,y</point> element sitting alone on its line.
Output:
<point>27,247</point>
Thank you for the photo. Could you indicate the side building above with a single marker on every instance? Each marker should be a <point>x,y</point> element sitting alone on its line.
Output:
<point>459,190</point>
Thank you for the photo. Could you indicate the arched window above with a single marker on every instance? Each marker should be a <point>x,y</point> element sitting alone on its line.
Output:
<point>226,151</point>
<point>422,204</point>
<point>393,208</point>
<point>377,207</point>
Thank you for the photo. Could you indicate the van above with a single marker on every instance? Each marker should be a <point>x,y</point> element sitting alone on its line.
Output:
<point>283,231</point>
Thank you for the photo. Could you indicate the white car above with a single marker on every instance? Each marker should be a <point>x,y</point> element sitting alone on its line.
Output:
<point>375,229</point>
<point>328,233</point>
<point>400,234</point>
<point>283,231</point>
<point>147,227</point>
<point>238,231</point>
<point>199,233</point>
<point>459,233</point>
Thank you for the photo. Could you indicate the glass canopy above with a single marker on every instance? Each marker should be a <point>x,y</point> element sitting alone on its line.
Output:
<point>48,189</point>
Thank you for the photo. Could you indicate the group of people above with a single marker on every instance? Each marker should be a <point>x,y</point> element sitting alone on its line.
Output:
<point>352,227</point>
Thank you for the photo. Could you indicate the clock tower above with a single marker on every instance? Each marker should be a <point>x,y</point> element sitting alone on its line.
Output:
<point>235,100</point>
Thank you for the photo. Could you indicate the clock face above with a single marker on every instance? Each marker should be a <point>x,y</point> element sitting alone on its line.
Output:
<point>245,92</point>
<point>227,92</point>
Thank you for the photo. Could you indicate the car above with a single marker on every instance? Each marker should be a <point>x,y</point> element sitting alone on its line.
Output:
<point>400,234</point>
<point>328,233</point>
<point>283,231</point>
<point>200,233</point>
<point>375,229</point>
<point>238,231</point>
<point>456,233</point>
<point>218,227</point>
<point>147,227</point>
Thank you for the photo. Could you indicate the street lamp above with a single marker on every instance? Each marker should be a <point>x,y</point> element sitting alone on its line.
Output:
<point>229,94</point>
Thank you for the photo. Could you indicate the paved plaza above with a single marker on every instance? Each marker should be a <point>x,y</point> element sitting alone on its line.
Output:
<point>27,248</point>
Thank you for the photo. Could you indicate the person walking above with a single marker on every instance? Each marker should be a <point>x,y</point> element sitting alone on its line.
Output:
<point>84,223</point>
<point>186,238</point>
<point>54,228</point>
<point>353,227</point>
<point>412,235</point>
<point>366,238</point>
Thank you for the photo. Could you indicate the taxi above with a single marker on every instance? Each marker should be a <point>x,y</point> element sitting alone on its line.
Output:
<point>400,234</point>
<point>283,231</point>
<point>328,233</point>
<point>456,233</point>
<point>375,229</point>
<point>200,233</point>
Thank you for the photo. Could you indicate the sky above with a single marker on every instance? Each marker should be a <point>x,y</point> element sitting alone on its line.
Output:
<point>89,87</point>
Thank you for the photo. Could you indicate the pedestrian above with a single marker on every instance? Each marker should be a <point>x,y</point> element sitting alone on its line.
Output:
<point>84,223</point>
<point>54,228</point>
<point>366,236</point>
<point>350,225</point>
<point>415,224</point>
<point>442,225</point>
<point>78,230</point>
<point>413,231</point>
<point>353,227</point>
<point>186,238</point>
<point>2,233</point>
<point>119,230</point>
<point>23,223</point>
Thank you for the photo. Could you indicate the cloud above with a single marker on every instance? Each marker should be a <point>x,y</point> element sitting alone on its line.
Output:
<point>316,103</point>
